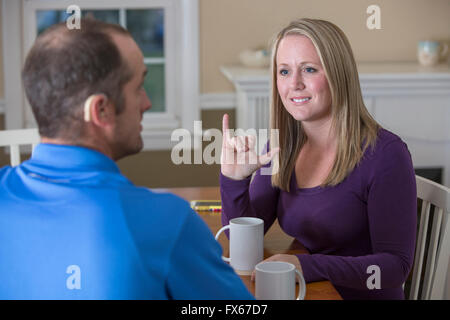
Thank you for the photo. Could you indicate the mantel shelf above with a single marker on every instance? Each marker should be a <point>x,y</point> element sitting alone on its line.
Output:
<point>366,70</point>
<point>376,78</point>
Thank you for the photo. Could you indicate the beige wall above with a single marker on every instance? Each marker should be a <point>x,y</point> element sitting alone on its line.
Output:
<point>227,27</point>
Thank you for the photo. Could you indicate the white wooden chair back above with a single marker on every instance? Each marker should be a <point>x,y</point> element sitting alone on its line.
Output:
<point>432,278</point>
<point>15,138</point>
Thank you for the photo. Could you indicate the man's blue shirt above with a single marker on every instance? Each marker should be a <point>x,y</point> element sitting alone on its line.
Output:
<point>73,227</point>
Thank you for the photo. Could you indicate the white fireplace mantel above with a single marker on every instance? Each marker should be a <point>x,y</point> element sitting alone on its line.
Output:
<point>410,100</point>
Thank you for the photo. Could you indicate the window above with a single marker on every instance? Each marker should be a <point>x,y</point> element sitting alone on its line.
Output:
<point>161,28</point>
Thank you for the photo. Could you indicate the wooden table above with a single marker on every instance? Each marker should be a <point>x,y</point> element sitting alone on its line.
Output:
<point>275,241</point>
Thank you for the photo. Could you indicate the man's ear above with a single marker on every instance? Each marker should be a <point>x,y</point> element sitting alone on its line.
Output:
<point>99,110</point>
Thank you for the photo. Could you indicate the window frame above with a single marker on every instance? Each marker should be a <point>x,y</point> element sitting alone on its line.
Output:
<point>181,52</point>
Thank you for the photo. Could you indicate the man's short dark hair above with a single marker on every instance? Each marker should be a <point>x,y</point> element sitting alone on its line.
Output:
<point>64,67</point>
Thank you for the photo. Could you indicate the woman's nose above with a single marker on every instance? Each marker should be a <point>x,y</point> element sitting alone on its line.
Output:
<point>297,81</point>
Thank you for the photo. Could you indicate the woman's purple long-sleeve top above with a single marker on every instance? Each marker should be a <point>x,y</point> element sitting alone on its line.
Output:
<point>367,220</point>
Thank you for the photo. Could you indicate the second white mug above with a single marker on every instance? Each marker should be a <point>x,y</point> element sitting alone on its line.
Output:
<point>275,280</point>
<point>246,243</point>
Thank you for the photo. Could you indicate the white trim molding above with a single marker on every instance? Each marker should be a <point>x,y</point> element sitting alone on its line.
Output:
<point>12,62</point>
<point>2,106</point>
<point>403,79</point>
<point>218,101</point>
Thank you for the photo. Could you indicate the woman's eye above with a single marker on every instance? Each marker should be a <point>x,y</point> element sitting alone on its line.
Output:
<point>283,72</point>
<point>310,70</point>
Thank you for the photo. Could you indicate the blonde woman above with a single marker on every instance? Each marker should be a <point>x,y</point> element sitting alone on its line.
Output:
<point>345,187</point>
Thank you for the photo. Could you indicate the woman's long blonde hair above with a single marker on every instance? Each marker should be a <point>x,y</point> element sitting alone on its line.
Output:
<point>354,126</point>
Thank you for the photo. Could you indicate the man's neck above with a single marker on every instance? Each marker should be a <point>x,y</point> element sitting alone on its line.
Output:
<point>102,148</point>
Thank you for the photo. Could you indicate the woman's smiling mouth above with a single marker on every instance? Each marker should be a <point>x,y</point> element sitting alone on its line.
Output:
<point>300,99</point>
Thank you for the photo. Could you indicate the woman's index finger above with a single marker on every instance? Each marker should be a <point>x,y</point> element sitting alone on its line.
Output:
<point>225,127</point>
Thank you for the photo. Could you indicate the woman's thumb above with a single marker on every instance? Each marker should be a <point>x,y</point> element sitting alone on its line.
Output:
<point>266,158</point>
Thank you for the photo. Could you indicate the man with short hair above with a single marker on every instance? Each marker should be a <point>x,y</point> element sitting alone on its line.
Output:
<point>71,225</point>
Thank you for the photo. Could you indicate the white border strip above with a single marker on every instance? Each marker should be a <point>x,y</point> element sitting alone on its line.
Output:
<point>218,101</point>
<point>2,106</point>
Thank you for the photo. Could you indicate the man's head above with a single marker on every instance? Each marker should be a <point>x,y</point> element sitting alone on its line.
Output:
<point>66,67</point>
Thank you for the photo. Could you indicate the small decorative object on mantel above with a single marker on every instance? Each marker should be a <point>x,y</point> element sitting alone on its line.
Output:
<point>430,52</point>
<point>255,58</point>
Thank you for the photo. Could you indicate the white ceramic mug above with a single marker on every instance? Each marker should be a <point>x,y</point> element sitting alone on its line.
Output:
<point>275,280</point>
<point>246,243</point>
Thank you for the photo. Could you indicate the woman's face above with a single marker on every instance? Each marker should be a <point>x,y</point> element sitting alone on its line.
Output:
<point>301,81</point>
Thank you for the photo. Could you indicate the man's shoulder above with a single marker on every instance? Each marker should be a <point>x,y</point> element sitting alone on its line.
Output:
<point>156,219</point>
<point>5,174</point>
<point>155,198</point>
<point>4,170</point>
<point>143,206</point>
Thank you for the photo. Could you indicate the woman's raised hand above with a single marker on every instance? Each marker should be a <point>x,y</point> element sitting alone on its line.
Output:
<point>239,158</point>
